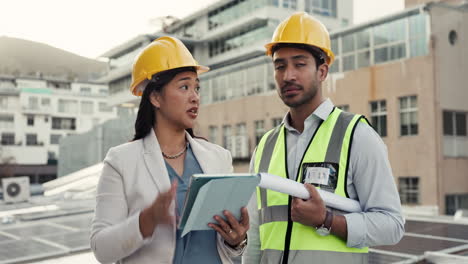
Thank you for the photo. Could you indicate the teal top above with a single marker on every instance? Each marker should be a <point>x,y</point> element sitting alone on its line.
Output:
<point>196,247</point>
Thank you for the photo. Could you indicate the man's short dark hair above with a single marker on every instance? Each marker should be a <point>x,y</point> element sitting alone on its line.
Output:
<point>318,54</point>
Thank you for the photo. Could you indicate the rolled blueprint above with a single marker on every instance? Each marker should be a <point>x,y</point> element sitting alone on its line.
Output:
<point>296,189</point>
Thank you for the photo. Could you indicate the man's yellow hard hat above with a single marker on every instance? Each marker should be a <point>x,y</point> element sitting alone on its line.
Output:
<point>165,53</point>
<point>302,28</point>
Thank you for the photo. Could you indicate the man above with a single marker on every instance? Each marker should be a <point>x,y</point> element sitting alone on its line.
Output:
<point>321,145</point>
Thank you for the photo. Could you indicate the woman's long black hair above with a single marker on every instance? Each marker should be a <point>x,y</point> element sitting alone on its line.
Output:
<point>146,117</point>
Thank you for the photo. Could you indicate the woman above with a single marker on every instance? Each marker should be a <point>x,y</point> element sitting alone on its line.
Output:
<point>136,208</point>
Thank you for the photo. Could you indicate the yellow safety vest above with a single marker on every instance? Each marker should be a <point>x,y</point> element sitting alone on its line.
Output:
<point>290,242</point>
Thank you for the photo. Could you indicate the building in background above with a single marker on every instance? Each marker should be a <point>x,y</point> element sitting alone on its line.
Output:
<point>36,113</point>
<point>228,36</point>
<point>382,70</point>
<point>404,71</point>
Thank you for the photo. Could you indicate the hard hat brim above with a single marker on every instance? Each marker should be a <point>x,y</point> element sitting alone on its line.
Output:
<point>138,86</point>
<point>330,56</point>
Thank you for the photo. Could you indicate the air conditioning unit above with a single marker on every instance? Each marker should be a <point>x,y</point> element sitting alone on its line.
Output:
<point>16,189</point>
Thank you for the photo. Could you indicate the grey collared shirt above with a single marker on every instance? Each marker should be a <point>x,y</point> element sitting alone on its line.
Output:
<point>370,181</point>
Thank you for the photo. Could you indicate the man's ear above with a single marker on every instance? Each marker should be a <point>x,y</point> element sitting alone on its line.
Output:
<point>155,99</point>
<point>322,72</point>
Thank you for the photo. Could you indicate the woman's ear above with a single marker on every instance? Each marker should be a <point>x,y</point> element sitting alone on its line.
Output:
<point>155,99</point>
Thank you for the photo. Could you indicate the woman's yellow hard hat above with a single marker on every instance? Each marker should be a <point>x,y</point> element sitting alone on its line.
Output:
<point>165,53</point>
<point>302,28</point>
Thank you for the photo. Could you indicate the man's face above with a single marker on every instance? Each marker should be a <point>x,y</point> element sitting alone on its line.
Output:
<point>296,75</point>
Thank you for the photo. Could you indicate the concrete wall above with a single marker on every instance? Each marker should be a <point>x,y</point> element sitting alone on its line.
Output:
<point>451,67</point>
<point>84,150</point>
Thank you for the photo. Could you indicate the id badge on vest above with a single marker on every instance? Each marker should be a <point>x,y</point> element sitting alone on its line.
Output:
<point>321,174</point>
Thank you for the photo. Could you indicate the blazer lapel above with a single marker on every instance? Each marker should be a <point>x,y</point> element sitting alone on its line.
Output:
<point>205,157</point>
<point>154,162</point>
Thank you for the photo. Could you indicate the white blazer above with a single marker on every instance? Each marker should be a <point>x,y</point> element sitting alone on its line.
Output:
<point>133,175</point>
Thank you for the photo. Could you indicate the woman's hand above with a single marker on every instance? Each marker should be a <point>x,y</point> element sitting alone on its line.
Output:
<point>158,213</point>
<point>232,231</point>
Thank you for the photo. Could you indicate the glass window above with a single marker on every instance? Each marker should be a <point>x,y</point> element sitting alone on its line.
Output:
<point>417,24</point>
<point>235,9</point>
<point>274,2</point>
<point>8,139</point>
<point>380,34</point>
<point>241,129</point>
<point>418,36</point>
<point>460,124</point>
<point>31,140</point>
<point>322,7</point>
<point>381,55</point>
<point>120,85</point>
<point>363,59</point>
<point>63,123</point>
<point>85,90</point>
<point>397,51</point>
<point>33,103</point>
<point>418,47</point>
<point>453,202</point>
<point>55,139</point>
<point>363,39</point>
<point>103,107</point>
<point>67,106</point>
<point>290,4</point>
<point>87,107</point>
<point>396,30</point>
<point>335,66</point>
<point>259,130</point>
<point>408,116</point>
<point>213,134</point>
<point>30,120</point>
<point>276,121</point>
<point>239,142</point>
<point>227,137</point>
<point>408,187</point>
<point>454,123</point>
<point>205,91</point>
<point>7,121</point>
<point>334,46</point>
<point>349,63</point>
<point>347,43</point>
<point>448,123</point>
<point>379,117</point>
<point>4,102</point>
<point>45,101</point>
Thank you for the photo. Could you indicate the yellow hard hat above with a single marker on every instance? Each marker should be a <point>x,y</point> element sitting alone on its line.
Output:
<point>301,28</point>
<point>165,53</point>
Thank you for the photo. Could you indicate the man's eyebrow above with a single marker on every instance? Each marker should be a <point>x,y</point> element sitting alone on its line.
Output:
<point>279,60</point>
<point>299,57</point>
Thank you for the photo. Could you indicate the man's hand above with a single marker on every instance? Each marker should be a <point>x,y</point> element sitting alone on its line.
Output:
<point>309,212</point>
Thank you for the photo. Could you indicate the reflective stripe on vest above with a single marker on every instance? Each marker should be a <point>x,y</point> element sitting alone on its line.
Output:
<point>330,143</point>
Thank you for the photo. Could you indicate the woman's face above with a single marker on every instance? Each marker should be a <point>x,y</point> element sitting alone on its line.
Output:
<point>177,103</point>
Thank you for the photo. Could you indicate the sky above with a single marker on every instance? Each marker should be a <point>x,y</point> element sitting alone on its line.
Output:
<point>91,27</point>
